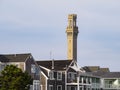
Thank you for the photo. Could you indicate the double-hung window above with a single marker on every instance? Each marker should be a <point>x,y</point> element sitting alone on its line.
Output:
<point>51,75</point>
<point>36,85</point>
<point>33,68</point>
<point>59,75</point>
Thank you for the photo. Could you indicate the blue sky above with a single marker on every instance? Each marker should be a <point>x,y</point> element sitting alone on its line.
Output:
<point>38,27</point>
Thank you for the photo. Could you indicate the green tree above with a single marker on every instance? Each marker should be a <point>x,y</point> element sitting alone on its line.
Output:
<point>12,78</point>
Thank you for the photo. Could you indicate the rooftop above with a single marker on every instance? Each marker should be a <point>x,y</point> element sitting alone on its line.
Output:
<point>14,57</point>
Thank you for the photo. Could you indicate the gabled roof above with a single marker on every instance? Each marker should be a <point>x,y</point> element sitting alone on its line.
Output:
<point>111,75</point>
<point>14,57</point>
<point>91,68</point>
<point>58,64</point>
<point>104,69</point>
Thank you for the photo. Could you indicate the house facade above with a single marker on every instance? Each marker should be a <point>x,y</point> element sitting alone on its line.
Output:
<point>66,75</point>
<point>26,63</point>
<point>109,80</point>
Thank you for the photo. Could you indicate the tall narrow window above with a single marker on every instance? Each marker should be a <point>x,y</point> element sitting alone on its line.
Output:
<point>36,85</point>
<point>33,68</point>
<point>2,66</point>
<point>59,75</point>
<point>51,75</point>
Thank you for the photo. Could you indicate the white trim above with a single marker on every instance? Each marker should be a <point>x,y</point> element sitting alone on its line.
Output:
<point>71,83</point>
<point>46,83</point>
<point>65,80</point>
<point>46,79</point>
<point>28,57</point>
<point>44,74</point>
<point>41,87</point>
<point>69,65</point>
<point>45,68</point>
<point>25,62</point>
<point>24,66</point>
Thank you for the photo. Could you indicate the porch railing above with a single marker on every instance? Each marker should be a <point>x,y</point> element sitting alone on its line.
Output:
<point>111,86</point>
<point>95,85</point>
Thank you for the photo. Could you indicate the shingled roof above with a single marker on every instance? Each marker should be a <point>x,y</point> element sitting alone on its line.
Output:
<point>14,57</point>
<point>58,64</point>
<point>95,69</point>
<point>106,74</point>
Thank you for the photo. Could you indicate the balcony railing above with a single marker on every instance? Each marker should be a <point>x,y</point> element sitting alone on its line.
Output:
<point>111,86</point>
<point>95,85</point>
<point>72,80</point>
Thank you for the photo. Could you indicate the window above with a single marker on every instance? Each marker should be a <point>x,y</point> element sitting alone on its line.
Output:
<point>72,75</point>
<point>36,85</point>
<point>33,68</point>
<point>59,87</point>
<point>51,75</point>
<point>59,75</point>
<point>50,87</point>
<point>37,71</point>
<point>69,75</point>
<point>2,66</point>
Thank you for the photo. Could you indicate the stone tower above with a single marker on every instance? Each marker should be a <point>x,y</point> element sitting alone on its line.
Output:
<point>72,32</point>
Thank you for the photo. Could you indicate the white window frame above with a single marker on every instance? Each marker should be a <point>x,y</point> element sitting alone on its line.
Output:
<point>71,75</point>
<point>2,66</point>
<point>51,75</point>
<point>50,86</point>
<point>59,75</point>
<point>33,68</point>
<point>36,85</point>
<point>59,86</point>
